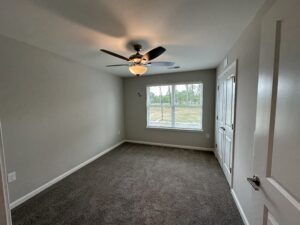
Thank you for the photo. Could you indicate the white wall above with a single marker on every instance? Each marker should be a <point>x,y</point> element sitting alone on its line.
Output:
<point>246,50</point>
<point>55,113</point>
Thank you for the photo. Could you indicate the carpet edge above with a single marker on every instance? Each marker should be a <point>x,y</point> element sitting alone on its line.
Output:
<point>31,194</point>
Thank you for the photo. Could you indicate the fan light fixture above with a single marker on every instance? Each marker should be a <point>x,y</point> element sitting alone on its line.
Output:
<point>138,69</point>
<point>138,63</point>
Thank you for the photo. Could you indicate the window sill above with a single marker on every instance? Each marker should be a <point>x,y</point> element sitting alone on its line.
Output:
<point>174,129</point>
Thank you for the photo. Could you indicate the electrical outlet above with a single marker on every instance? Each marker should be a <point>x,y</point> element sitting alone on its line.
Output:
<point>11,177</point>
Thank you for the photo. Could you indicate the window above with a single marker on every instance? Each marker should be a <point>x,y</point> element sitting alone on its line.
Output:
<point>177,106</point>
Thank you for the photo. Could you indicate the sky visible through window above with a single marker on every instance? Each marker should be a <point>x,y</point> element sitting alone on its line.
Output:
<point>164,89</point>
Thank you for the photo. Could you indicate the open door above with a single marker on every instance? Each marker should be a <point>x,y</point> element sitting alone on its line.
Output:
<point>226,88</point>
<point>5,217</point>
<point>277,135</point>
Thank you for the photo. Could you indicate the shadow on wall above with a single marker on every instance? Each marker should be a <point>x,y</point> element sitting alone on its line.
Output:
<point>92,14</point>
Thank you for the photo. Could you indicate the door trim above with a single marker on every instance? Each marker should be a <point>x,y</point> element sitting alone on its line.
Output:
<point>3,180</point>
<point>232,66</point>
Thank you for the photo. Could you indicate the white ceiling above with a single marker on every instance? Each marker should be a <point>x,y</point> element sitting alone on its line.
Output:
<point>196,33</point>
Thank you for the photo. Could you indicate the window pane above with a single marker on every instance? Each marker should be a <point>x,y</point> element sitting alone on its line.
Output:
<point>160,113</point>
<point>188,117</point>
<point>154,95</point>
<point>188,106</point>
<point>160,116</point>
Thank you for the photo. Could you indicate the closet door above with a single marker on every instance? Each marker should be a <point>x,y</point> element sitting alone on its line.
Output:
<point>220,121</point>
<point>229,82</point>
<point>225,119</point>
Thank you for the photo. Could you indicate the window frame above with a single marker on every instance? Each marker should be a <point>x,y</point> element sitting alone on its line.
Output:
<point>173,107</point>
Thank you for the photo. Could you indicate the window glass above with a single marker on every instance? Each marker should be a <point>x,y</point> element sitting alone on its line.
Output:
<point>159,109</point>
<point>188,108</point>
<point>181,109</point>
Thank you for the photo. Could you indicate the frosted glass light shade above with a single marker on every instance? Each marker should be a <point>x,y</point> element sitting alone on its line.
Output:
<point>138,70</point>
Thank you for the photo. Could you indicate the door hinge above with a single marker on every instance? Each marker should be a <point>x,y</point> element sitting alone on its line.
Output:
<point>234,79</point>
<point>217,117</point>
<point>232,126</point>
<point>216,145</point>
<point>218,87</point>
<point>230,170</point>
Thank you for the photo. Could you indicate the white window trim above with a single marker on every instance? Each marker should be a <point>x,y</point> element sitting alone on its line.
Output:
<point>173,128</point>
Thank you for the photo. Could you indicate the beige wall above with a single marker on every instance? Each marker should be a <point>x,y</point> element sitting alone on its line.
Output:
<point>55,114</point>
<point>136,115</point>
<point>246,50</point>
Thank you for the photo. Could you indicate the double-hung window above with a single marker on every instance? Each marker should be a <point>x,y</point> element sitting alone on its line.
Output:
<point>177,106</point>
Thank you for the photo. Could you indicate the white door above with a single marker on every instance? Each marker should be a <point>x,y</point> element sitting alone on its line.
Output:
<point>277,135</point>
<point>220,120</point>
<point>225,119</point>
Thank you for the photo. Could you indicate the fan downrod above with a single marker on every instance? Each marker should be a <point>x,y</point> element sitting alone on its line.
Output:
<point>137,47</point>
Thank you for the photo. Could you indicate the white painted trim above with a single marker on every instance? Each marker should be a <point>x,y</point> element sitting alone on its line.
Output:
<point>242,213</point>
<point>62,176</point>
<point>218,157</point>
<point>3,177</point>
<point>171,145</point>
<point>233,65</point>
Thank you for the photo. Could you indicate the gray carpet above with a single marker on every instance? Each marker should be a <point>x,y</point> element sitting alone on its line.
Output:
<point>137,184</point>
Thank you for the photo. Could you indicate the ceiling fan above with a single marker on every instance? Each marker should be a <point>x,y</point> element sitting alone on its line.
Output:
<point>138,63</point>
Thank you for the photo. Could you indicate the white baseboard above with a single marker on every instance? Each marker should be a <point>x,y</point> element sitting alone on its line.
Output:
<point>64,175</point>
<point>218,157</point>
<point>171,145</point>
<point>242,213</point>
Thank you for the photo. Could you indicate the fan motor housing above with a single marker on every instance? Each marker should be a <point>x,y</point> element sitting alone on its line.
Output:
<point>137,47</point>
<point>136,58</point>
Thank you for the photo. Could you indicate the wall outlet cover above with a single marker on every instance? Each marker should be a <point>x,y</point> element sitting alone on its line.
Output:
<point>11,177</point>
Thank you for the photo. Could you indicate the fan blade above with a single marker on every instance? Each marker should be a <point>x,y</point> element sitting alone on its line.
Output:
<point>154,53</point>
<point>117,65</point>
<point>161,64</point>
<point>114,54</point>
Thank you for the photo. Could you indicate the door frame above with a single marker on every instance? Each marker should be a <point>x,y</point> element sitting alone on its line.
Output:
<point>3,182</point>
<point>233,66</point>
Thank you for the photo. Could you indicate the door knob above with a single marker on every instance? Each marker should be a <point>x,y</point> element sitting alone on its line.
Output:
<point>255,182</point>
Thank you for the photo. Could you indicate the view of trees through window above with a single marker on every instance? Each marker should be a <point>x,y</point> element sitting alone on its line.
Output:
<point>175,106</point>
